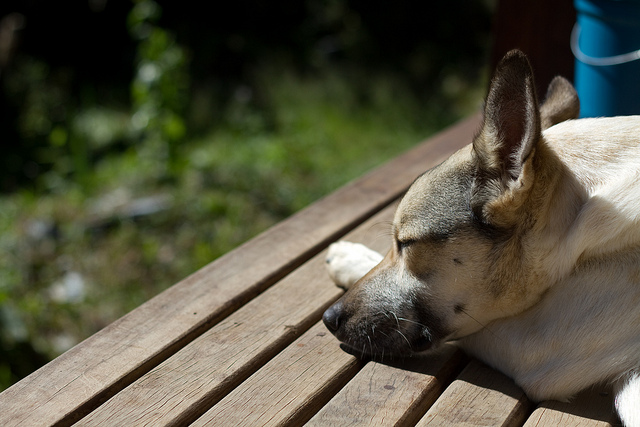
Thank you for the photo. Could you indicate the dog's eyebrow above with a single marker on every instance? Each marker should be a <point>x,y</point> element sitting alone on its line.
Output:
<point>397,237</point>
<point>404,241</point>
<point>401,242</point>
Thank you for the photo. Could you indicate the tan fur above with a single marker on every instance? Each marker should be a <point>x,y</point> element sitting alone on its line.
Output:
<point>561,103</point>
<point>524,247</point>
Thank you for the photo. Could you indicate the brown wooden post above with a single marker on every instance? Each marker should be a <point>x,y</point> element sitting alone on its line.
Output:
<point>542,30</point>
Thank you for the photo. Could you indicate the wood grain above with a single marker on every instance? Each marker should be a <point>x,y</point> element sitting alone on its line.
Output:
<point>591,408</point>
<point>291,387</point>
<point>384,395</point>
<point>72,385</point>
<point>208,368</point>
<point>480,396</point>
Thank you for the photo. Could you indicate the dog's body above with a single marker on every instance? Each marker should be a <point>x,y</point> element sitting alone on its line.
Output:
<point>524,247</point>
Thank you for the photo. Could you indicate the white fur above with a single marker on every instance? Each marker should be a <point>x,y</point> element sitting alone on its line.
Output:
<point>347,262</point>
<point>607,171</point>
<point>544,354</point>
<point>627,400</point>
<point>586,328</point>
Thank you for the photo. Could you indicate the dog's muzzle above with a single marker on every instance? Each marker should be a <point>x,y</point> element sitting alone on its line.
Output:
<point>378,338</point>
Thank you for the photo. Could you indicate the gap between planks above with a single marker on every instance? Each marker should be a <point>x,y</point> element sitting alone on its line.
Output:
<point>72,385</point>
<point>397,393</point>
<point>207,369</point>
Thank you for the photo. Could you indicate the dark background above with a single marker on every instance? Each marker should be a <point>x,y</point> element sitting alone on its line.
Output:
<point>91,53</point>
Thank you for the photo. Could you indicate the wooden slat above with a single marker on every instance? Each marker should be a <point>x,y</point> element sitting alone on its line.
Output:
<point>199,375</point>
<point>291,387</point>
<point>591,408</point>
<point>78,381</point>
<point>479,396</point>
<point>383,395</point>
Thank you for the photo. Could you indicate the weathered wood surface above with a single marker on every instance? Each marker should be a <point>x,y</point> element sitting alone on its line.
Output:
<point>241,343</point>
<point>383,394</point>
<point>80,380</point>
<point>479,396</point>
<point>591,408</point>
<point>213,364</point>
<point>291,387</point>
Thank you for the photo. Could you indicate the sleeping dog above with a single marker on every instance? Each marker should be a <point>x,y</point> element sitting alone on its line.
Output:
<point>523,247</point>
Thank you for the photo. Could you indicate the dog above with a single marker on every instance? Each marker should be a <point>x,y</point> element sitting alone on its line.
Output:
<point>523,247</point>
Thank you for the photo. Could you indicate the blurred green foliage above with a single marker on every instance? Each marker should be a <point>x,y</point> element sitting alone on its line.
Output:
<point>185,132</point>
<point>159,89</point>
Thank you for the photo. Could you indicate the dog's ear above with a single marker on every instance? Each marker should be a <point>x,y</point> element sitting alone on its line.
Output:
<point>504,147</point>
<point>561,103</point>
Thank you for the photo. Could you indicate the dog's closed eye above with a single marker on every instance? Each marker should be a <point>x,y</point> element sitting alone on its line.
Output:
<point>402,245</point>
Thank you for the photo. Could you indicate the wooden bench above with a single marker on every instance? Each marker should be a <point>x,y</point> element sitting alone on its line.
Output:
<point>241,341</point>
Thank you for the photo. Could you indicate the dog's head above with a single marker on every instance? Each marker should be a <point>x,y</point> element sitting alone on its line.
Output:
<point>459,259</point>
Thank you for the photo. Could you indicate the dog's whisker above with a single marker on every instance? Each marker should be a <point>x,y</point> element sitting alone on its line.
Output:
<point>537,217</point>
<point>386,335</point>
<point>382,229</point>
<point>412,321</point>
<point>396,317</point>
<point>403,336</point>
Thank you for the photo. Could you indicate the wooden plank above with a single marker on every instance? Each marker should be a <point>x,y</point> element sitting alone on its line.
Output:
<point>479,396</point>
<point>291,387</point>
<point>399,394</point>
<point>591,408</point>
<point>186,385</point>
<point>72,385</point>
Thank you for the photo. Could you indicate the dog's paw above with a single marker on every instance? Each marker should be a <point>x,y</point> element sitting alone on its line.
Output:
<point>347,262</point>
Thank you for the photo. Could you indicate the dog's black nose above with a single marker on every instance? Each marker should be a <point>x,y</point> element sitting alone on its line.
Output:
<point>332,317</point>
